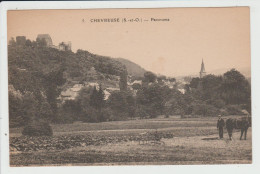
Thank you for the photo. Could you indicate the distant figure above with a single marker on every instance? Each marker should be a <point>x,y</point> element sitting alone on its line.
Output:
<point>220,126</point>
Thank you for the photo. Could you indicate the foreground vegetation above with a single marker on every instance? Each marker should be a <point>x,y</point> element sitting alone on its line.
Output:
<point>183,141</point>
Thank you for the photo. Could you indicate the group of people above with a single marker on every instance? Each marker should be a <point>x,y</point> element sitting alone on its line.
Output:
<point>234,123</point>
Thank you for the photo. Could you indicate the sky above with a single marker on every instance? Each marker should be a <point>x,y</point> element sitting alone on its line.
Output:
<point>219,36</point>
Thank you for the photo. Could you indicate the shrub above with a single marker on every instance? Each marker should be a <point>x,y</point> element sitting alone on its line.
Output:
<point>205,110</point>
<point>223,112</point>
<point>141,112</point>
<point>38,128</point>
<point>91,115</point>
<point>63,118</point>
<point>234,110</point>
<point>218,103</point>
<point>106,115</point>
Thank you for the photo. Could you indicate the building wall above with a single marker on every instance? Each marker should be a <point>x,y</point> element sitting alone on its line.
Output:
<point>202,74</point>
<point>65,46</point>
<point>47,38</point>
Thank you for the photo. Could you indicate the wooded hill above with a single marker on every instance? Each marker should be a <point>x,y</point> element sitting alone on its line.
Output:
<point>79,67</point>
<point>132,68</point>
<point>42,73</point>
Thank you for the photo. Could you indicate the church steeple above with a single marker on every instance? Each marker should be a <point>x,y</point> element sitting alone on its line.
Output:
<point>202,70</point>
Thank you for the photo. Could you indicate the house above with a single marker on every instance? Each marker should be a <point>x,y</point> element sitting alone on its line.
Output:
<point>65,46</point>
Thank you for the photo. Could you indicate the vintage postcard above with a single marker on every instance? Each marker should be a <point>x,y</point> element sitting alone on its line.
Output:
<point>101,87</point>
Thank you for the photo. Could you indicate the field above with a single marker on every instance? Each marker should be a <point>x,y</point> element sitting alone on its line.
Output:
<point>181,141</point>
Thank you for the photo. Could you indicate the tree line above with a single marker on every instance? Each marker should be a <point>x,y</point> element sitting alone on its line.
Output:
<point>208,96</point>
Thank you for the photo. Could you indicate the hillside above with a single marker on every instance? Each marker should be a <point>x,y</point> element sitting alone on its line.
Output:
<point>29,66</point>
<point>132,68</point>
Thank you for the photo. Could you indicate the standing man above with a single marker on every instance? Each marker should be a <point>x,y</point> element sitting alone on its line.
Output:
<point>220,126</point>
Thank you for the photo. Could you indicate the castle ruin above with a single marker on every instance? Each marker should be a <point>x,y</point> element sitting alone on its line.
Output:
<point>63,46</point>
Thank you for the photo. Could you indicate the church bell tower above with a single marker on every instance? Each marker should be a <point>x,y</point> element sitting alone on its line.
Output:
<point>202,70</point>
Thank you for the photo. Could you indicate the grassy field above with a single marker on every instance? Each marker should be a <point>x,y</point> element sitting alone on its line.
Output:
<point>184,141</point>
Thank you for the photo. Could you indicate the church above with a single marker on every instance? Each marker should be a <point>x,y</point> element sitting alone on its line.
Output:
<point>202,70</point>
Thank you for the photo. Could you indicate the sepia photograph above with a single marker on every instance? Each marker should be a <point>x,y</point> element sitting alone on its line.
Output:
<point>103,87</point>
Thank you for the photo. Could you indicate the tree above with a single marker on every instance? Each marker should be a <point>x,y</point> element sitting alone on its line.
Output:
<point>94,98</point>
<point>176,103</point>
<point>29,107</point>
<point>194,82</point>
<point>117,101</point>
<point>136,86</point>
<point>131,104</point>
<point>100,98</point>
<point>123,81</point>
<point>34,44</point>
<point>20,40</point>
<point>122,103</point>
<point>16,118</point>
<point>85,101</point>
<point>204,110</point>
<point>187,88</point>
<point>97,102</point>
<point>212,93</point>
<point>84,97</point>
<point>28,43</point>
<point>12,42</point>
<point>172,79</point>
<point>53,81</point>
<point>153,98</point>
<point>187,79</point>
<point>160,78</point>
<point>235,89</point>
<point>210,87</point>
<point>149,77</point>
<point>44,111</point>
<point>92,102</point>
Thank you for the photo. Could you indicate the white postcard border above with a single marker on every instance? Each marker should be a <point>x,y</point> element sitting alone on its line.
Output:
<point>255,62</point>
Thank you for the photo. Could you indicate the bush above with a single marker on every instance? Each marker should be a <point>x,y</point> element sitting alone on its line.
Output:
<point>234,110</point>
<point>16,122</point>
<point>63,118</point>
<point>205,110</point>
<point>91,115</point>
<point>218,103</point>
<point>38,128</point>
<point>117,117</point>
<point>106,115</point>
<point>70,111</point>
<point>141,112</point>
<point>223,112</point>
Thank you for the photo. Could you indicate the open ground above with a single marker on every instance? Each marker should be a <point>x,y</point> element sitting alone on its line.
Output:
<point>183,141</point>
